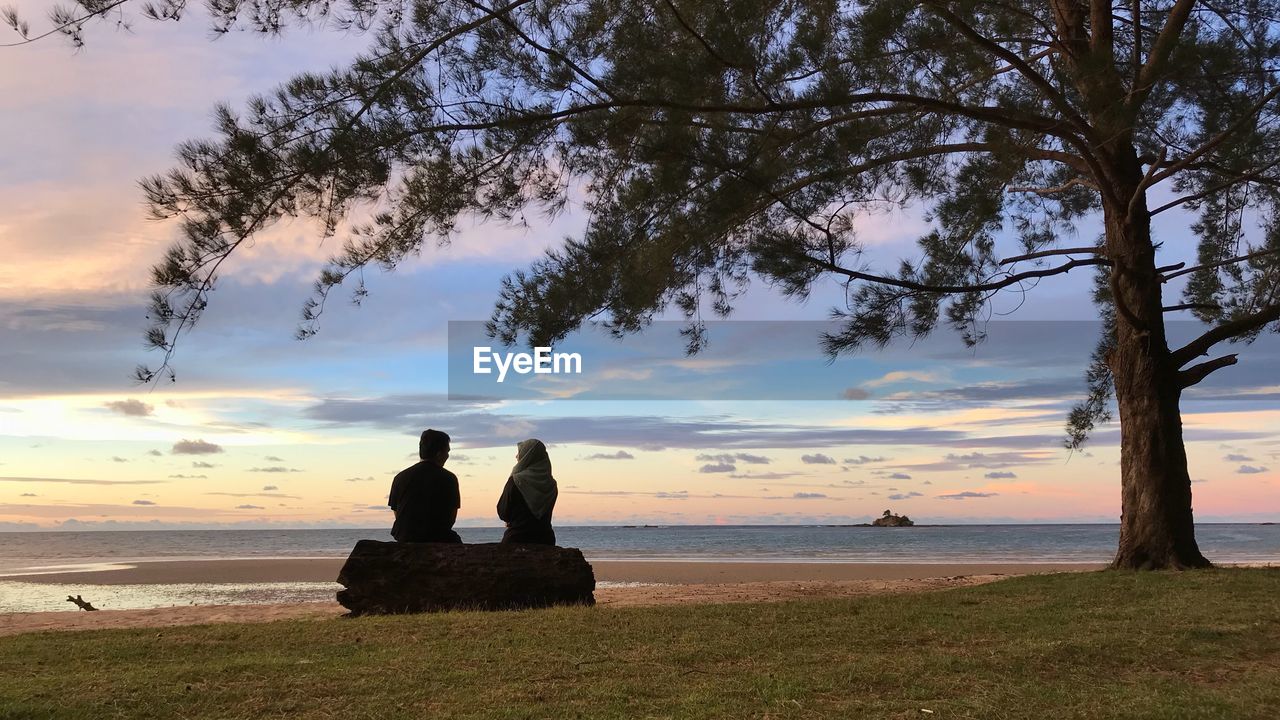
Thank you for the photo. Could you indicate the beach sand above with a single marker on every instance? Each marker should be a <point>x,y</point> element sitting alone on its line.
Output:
<point>655,583</point>
<point>678,573</point>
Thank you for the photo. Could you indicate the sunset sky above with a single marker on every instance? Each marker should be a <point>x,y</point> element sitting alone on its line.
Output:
<point>261,430</point>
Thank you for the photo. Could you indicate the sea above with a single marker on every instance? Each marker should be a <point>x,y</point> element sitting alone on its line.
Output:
<point>25,553</point>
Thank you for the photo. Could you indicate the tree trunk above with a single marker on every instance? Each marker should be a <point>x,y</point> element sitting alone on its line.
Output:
<point>1156,527</point>
<point>386,577</point>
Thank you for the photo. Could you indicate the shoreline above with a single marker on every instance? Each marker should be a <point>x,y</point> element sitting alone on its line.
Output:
<point>673,572</point>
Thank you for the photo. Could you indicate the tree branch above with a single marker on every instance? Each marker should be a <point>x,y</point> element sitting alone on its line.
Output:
<point>1042,191</point>
<point>1220,263</point>
<point>1225,331</point>
<point>952,289</point>
<point>1217,140</point>
<point>1254,174</point>
<point>1094,250</point>
<point>1051,93</point>
<point>1160,49</point>
<point>1189,306</point>
<point>1196,373</point>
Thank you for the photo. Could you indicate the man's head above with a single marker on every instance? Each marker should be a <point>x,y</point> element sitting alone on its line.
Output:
<point>434,446</point>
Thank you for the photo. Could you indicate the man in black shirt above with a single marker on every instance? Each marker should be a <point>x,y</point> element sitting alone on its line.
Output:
<point>425,496</point>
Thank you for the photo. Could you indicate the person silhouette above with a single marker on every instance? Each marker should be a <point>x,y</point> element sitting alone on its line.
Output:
<point>425,496</point>
<point>529,497</point>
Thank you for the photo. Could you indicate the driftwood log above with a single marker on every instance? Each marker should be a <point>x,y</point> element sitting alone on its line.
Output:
<point>81,603</point>
<point>388,577</point>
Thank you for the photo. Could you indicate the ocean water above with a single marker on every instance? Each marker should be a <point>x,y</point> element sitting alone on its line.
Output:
<point>26,553</point>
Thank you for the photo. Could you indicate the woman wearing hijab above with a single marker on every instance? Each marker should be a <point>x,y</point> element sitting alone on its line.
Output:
<point>529,497</point>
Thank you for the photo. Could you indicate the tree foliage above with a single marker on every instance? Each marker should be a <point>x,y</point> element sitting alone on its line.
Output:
<point>715,142</point>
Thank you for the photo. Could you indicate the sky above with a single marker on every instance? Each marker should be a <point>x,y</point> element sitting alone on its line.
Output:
<point>261,430</point>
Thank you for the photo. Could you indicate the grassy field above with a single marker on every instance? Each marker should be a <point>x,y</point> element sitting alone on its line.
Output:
<point>1201,644</point>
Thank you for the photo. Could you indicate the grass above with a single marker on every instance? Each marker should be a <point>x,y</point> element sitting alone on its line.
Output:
<point>1202,644</point>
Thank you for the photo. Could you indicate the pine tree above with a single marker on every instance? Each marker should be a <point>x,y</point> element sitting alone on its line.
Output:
<point>719,141</point>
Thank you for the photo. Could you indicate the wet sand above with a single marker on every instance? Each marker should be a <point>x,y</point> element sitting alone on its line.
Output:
<point>677,573</point>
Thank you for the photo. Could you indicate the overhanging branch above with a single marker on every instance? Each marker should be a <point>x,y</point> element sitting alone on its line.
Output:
<point>1227,330</point>
<point>1004,282</point>
<point>1196,373</point>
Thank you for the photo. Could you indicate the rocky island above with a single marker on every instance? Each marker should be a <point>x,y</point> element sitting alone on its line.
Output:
<point>891,520</point>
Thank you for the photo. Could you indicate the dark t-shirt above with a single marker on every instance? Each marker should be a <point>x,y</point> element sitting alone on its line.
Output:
<point>522,525</point>
<point>424,498</point>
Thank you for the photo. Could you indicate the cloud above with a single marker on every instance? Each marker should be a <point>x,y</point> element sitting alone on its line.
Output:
<point>677,495</point>
<point>368,478</point>
<point>143,502</point>
<point>255,494</point>
<point>855,393</point>
<point>273,458</point>
<point>863,460</point>
<point>904,496</point>
<point>470,418</point>
<point>717,468</point>
<point>898,476</point>
<point>180,476</point>
<point>195,447</point>
<point>731,458</point>
<point>619,455</point>
<point>1251,469</point>
<point>1000,475</point>
<point>897,376</point>
<point>274,469</point>
<point>155,453</point>
<point>817,459</point>
<point>249,507</point>
<point>269,488</point>
<point>764,475</point>
<point>132,408</point>
<point>117,458</point>
<point>74,481</point>
<point>1236,457</point>
<point>986,461</point>
<point>966,495</point>
<point>28,495</point>
<point>808,496</point>
<point>202,465</point>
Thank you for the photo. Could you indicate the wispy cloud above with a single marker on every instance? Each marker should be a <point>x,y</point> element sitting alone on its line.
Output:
<point>905,496</point>
<point>863,460</point>
<point>717,468</point>
<point>80,481</point>
<point>817,459</point>
<point>195,447</point>
<point>132,408</point>
<point>967,494</point>
<point>619,455</point>
<point>733,458</point>
<point>256,494</point>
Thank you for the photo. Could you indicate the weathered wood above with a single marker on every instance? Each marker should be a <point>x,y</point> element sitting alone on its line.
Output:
<point>389,577</point>
<point>81,603</point>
